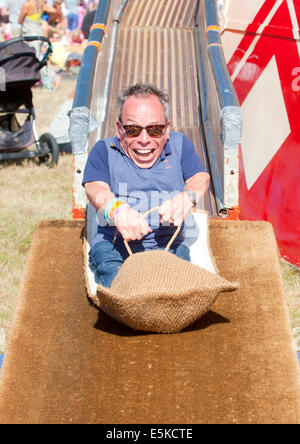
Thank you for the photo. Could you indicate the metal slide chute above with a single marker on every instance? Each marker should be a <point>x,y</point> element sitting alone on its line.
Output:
<point>175,45</point>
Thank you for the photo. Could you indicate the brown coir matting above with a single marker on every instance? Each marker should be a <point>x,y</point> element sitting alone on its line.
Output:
<point>67,362</point>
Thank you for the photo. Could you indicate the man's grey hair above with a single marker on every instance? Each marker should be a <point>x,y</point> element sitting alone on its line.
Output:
<point>143,89</point>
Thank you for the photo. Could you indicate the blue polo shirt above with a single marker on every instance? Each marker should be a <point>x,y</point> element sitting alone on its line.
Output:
<point>143,188</point>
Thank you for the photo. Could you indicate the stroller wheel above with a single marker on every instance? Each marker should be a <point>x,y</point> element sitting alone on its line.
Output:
<point>49,151</point>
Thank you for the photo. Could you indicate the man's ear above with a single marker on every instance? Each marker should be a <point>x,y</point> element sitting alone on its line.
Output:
<point>119,126</point>
<point>168,128</point>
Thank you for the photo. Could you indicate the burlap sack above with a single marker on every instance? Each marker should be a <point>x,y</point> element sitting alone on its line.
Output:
<point>157,291</point>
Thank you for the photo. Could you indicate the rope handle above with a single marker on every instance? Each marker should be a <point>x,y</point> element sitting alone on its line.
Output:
<point>170,241</point>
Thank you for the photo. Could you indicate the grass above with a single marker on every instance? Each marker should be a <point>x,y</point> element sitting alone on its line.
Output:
<point>291,282</point>
<point>30,193</point>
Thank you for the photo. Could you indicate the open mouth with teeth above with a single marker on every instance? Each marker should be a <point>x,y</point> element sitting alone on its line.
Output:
<point>144,154</point>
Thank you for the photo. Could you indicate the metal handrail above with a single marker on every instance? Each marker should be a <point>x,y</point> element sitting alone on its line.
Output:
<point>226,91</point>
<point>222,122</point>
<point>83,92</point>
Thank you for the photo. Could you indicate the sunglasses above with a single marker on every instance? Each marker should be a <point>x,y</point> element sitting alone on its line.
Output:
<point>152,130</point>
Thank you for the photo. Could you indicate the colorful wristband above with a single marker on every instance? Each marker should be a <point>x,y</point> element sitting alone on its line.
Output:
<point>111,207</point>
<point>108,208</point>
<point>119,209</point>
<point>114,207</point>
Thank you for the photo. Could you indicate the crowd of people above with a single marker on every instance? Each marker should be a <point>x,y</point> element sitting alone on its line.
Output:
<point>66,23</point>
<point>58,18</point>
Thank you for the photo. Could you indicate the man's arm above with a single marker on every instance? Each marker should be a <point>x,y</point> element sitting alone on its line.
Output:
<point>129,222</point>
<point>198,183</point>
<point>177,208</point>
<point>98,194</point>
<point>196,180</point>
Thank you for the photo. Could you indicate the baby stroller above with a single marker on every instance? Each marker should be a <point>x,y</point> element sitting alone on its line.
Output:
<point>19,71</point>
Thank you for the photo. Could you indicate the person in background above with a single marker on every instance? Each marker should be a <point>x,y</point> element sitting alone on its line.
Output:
<point>81,12</point>
<point>92,4</point>
<point>76,37</point>
<point>55,23</point>
<point>72,14</point>
<point>30,20</point>
<point>4,25</point>
<point>88,20</point>
<point>14,8</point>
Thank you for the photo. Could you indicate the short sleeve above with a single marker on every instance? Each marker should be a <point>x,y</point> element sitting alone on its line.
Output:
<point>97,168</point>
<point>190,161</point>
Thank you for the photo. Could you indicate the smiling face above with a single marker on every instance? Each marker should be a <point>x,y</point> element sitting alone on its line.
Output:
<point>143,111</point>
